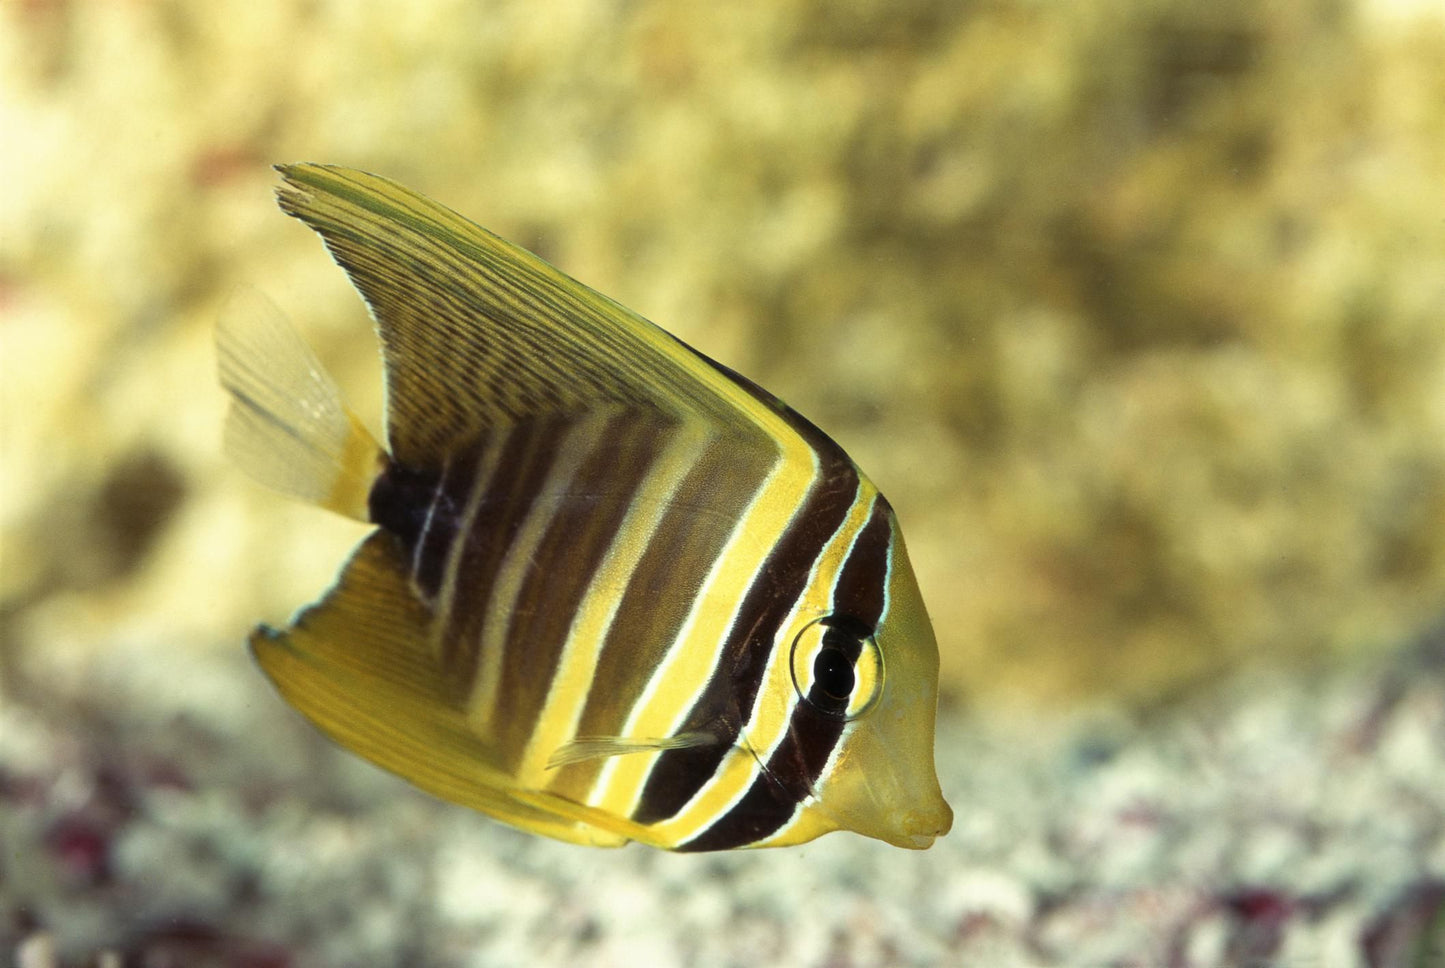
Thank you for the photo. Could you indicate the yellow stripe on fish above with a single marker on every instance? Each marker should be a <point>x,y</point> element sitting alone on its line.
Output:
<point>616,591</point>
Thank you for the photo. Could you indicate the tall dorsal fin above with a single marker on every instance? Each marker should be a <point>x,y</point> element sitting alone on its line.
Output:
<point>477,332</point>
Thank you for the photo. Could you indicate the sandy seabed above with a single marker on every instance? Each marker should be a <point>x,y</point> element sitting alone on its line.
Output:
<point>1290,823</point>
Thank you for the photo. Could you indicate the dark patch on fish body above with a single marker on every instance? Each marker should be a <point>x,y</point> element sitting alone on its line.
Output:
<point>399,503</point>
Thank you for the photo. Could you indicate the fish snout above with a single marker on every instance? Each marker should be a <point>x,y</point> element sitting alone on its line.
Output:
<point>892,797</point>
<point>919,828</point>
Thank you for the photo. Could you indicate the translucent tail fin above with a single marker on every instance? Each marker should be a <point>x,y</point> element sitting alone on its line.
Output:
<point>288,427</point>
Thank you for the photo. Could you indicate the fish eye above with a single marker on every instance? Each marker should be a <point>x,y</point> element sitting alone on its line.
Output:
<point>833,673</point>
<point>837,667</point>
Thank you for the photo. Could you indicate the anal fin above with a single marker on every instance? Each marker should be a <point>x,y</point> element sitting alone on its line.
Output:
<point>357,665</point>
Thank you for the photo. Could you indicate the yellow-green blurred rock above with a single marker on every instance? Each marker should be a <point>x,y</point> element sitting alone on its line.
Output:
<point>1136,310</point>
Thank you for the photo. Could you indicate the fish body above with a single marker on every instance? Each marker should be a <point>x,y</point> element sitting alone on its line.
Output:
<point>616,591</point>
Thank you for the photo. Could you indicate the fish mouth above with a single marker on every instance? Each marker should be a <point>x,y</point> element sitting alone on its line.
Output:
<point>912,841</point>
<point>918,830</point>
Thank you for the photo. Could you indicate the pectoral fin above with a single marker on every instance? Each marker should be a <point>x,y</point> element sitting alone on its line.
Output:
<point>597,747</point>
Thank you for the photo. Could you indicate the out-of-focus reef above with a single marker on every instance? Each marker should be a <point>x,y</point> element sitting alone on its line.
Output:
<point>1136,310</point>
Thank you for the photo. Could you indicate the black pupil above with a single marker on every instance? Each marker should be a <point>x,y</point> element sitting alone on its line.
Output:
<point>833,673</point>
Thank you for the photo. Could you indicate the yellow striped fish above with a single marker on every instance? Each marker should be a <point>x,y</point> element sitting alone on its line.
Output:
<point>616,591</point>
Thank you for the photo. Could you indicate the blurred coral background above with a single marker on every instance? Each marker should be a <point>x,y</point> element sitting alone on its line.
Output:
<point>1134,308</point>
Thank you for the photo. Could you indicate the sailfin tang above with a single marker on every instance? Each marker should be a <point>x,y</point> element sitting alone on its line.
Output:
<point>477,332</point>
<point>288,427</point>
<point>357,665</point>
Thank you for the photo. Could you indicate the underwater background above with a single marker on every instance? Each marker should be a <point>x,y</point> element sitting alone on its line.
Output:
<point>1135,310</point>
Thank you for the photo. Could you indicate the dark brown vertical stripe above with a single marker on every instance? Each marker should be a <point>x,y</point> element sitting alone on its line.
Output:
<point>775,795</point>
<point>728,697</point>
<point>863,580</point>
<point>817,723</point>
<point>445,520</point>
<point>663,588</point>
<point>583,526</point>
<point>522,466</point>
